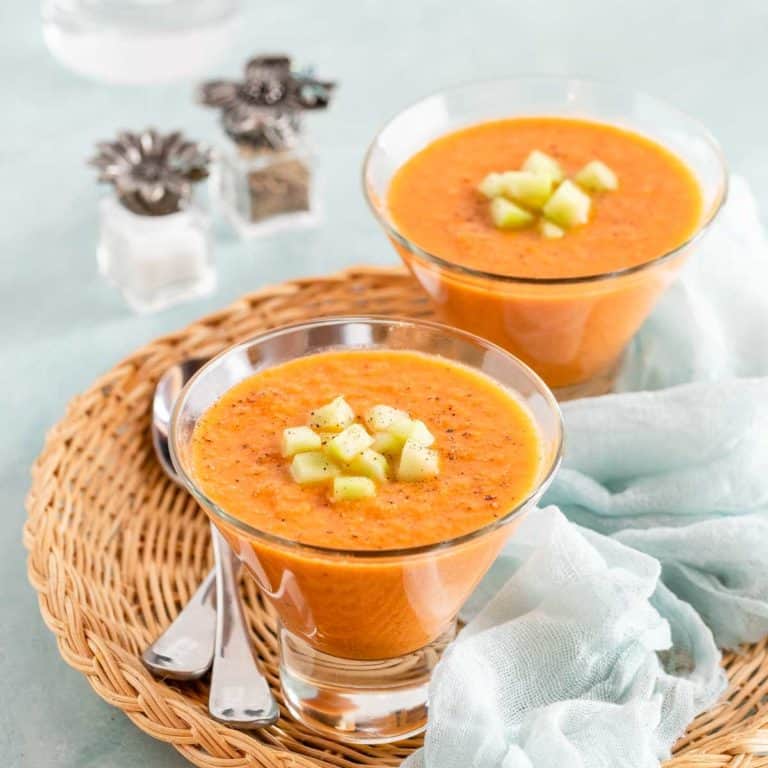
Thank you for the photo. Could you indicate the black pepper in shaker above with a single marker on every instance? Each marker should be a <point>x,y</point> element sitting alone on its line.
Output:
<point>263,179</point>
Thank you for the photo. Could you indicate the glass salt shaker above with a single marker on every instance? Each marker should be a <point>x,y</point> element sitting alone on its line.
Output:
<point>263,178</point>
<point>155,240</point>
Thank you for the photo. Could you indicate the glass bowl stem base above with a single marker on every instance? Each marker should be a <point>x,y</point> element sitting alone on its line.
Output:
<point>363,702</point>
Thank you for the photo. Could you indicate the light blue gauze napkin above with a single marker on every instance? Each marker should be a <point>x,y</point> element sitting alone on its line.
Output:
<point>593,641</point>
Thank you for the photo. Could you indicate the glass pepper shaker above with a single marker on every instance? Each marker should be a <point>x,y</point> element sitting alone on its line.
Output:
<point>262,180</point>
<point>155,240</point>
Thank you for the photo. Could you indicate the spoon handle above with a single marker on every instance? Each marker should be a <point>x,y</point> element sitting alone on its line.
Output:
<point>185,650</point>
<point>239,694</point>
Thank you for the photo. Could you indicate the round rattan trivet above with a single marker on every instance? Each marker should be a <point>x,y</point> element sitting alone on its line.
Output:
<point>115,549</point>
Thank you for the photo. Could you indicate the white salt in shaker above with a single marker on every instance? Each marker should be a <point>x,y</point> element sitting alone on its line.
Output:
<point>155,241</point>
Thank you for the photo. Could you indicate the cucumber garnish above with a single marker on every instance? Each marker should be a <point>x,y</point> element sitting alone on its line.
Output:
<point>568,206</point>
<point>349,443</point>
<point>333,417</point>
<point>542,164</point>
<point>549,230</point>
<point>388,443</point>
<point>528,189</point>
<point>352,488</point>
<point>509,215</point>
<point>312,467</point>
<point>516,196</point>
<point>382,417</point>
<point>345,455</point>
<point>492,185</point>
<point>597,177</point>
<point>417,463</point>
<point>371,464</point>
<point>299,440</point>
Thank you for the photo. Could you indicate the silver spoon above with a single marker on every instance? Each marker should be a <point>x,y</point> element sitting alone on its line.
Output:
<point>185,650</point>
<point>211,629</point>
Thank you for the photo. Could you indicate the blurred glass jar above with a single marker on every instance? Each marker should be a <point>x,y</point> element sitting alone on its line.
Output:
<point>139,41</point>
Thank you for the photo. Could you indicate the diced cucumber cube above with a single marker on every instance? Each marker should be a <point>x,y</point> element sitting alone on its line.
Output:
<point>312,467</point>
<point>298,440</point>
<point>349,443</point>
<point>529,189</point>
<point>508,215</point>
<point>412,429</point>
<point>332,417</point>
<point>420,434</point>
<point>543,165</point>
<point>352,488</point>
<point>597,177</point>
<point>387,442</point>
<point>371,464</point>
<point>549,230</point>
<point>417,463</point>
<point>568,206</point>
<point>491,185</point>
<point>401,428</point>
<point>381,417</point>
<point>392,440</point>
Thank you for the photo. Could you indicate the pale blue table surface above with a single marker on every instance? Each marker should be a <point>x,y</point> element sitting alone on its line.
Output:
<point>61,325</point>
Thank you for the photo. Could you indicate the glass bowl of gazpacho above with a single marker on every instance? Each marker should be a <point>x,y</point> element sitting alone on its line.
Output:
<point>367,472</point>
<point>546,214</point>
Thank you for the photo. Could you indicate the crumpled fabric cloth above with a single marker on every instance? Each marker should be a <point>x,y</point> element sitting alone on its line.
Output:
<point>593,640</point>
<point>561,666</point>
<point>681,474</point>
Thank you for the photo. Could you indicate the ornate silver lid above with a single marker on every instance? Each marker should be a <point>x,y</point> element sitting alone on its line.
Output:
<point>264,109</point>
<point>152,172</point>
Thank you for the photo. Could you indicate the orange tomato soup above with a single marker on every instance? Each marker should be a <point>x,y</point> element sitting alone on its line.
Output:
<point>434,202</point>
<point>487,443</point>
<point>368,607</point>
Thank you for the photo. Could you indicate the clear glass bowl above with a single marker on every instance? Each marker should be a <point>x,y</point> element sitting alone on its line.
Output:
<point>361,630</point>
<point>571,331</point>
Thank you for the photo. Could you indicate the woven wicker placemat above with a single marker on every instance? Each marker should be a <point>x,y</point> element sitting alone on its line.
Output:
<point>116,549</point>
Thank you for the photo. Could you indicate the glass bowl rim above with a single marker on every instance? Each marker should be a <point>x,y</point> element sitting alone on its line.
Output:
<point>550,468</point>
<point>458,269</point>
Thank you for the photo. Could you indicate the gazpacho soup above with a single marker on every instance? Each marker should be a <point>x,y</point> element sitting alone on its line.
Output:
<point>367,450</point>
<point>533,232</point>
<point>651,204</point>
